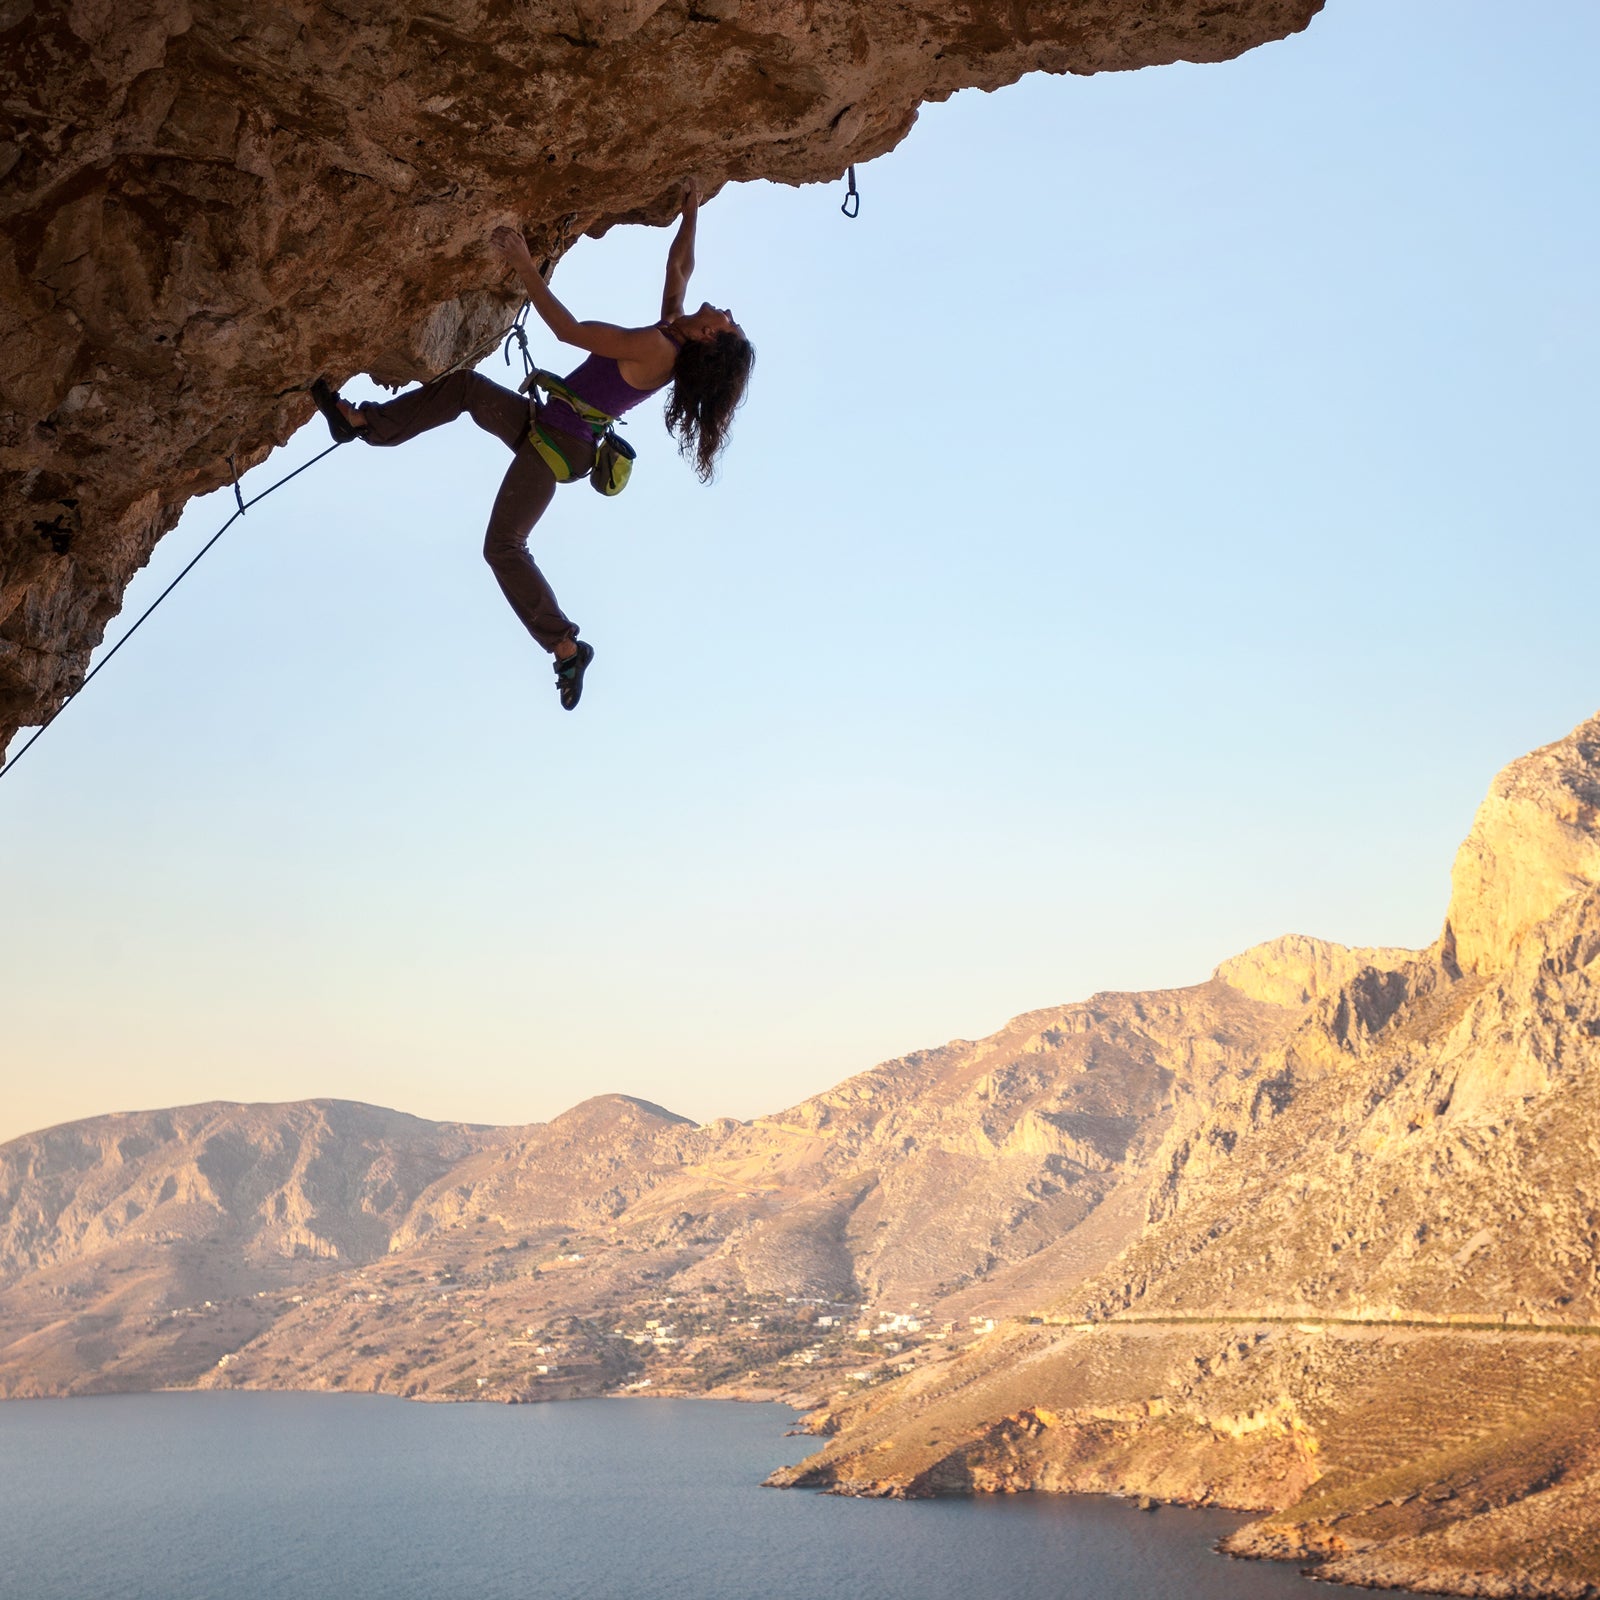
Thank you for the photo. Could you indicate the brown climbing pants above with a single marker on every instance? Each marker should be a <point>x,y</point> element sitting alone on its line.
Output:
<point>525,491</point>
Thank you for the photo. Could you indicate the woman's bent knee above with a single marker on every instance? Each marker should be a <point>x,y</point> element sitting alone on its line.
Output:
<point>506,550</point>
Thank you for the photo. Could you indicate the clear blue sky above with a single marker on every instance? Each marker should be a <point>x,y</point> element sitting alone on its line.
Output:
<point>1153,523</point>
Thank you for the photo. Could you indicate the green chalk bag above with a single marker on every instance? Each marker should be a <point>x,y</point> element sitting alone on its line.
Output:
<point>613,464</point>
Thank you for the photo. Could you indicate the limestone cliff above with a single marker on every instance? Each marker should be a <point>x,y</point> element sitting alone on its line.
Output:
<point>206,203</point>
<point>1535,842</point>
<point>1295,970</point>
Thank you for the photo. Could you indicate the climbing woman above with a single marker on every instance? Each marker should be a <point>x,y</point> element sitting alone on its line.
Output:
<point>703,354</point>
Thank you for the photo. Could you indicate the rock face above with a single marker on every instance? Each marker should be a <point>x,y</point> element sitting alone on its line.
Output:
<point>1295,970</point>
<point>205,205</point>
<point>1535,842</point>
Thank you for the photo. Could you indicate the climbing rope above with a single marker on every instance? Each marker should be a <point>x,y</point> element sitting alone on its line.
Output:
<point>852,201</point>
<point>518,336</point>
<point>472,358</point>
<point>39,732</point>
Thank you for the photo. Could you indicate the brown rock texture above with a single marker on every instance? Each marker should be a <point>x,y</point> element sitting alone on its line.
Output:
<point>205,204</point>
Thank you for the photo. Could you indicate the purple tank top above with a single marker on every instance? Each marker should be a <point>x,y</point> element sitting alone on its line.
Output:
<point>599,381</point>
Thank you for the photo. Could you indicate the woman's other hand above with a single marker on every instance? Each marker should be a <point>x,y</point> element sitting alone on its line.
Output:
<point>512,248</point>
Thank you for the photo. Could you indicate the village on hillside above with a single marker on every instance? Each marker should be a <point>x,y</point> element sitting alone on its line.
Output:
<point>519,1330</point>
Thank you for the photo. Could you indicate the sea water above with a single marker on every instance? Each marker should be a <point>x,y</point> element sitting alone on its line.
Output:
<point>328,1497</point>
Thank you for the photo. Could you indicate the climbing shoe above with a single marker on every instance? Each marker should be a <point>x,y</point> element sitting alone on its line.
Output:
<point>327,402</point>
<point>569,675</point>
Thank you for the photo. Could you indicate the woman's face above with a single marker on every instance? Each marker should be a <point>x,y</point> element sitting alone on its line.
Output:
<point>709,321</point>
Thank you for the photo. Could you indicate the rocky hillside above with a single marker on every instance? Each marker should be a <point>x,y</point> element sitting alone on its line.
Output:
<point>204,205</point>
<point>1365,1296</point>
<point>975,1173</point>
<point>322,1180</point>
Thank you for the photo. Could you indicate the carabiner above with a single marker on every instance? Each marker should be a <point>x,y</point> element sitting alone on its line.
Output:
<point>852,201</point>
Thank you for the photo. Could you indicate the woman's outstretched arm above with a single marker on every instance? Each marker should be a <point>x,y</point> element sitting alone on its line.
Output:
<point>599,338</point>
<point>680,258</point>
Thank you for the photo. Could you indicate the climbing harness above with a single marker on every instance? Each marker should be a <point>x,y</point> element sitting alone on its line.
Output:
<point>852,201</point>
<point>613,455</point>
<point>100,666</point>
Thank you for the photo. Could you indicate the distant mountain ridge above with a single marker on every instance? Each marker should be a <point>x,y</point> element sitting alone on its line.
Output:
<point>1319,1237</point>
<point>946,1171</point>
<point>325,1178</point>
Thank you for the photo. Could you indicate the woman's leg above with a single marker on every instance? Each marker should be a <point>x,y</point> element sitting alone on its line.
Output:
<point>502,412</point>
<point>525,491</point>
<point>524,494</point>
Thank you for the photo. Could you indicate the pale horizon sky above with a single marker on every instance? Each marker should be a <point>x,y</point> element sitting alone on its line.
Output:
<point>1153,523</point>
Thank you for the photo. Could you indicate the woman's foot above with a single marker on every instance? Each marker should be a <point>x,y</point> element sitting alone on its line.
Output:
<point>344,420</point>
<point>570,670</point>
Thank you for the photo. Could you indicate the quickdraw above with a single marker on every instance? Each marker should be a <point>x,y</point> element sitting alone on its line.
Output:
<point>852,201</point>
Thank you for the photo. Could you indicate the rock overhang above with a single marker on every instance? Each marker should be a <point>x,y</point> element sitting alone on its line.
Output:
<point>207,204</point>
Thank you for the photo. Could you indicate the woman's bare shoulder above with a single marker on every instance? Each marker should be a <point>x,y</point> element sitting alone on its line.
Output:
<point>653,365</point>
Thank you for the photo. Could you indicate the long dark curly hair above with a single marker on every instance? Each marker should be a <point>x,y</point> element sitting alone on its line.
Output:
<point>708,385</point>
